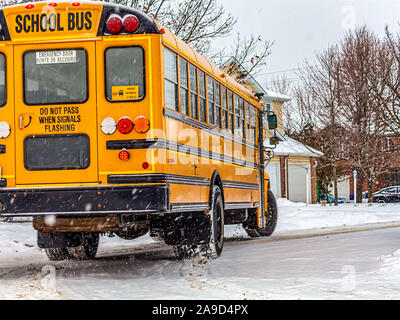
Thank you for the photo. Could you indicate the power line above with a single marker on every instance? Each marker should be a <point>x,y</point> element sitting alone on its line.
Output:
<point>281,71</point>
<point>287,70</point>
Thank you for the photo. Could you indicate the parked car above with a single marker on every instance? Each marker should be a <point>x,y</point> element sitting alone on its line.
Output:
<point>388,194</point>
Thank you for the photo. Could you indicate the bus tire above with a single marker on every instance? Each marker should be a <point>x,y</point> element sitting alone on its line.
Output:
<point>87,249</point>
<point>185,251</point>
<point>214,247</point>
<point>271,217</point>
<point>57,254</point>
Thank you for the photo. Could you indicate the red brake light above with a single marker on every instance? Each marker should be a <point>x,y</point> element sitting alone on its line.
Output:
<point>114,24</point>
<point>131,23</point>
<point>125,125</point>
<point>123,155</point>
<point>145,165</point>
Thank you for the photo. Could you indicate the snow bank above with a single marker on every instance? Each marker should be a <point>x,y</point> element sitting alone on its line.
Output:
<point>299,216</point>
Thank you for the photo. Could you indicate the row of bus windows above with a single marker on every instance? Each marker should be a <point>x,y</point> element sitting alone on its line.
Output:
<point>190,91</point>
<point>51,81</point>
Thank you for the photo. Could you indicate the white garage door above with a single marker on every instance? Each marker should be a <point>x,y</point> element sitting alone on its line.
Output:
<point>297,182</point>
<point>273,171</point>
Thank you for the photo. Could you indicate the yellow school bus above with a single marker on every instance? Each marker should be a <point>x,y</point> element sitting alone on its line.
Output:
<point>110,124</point>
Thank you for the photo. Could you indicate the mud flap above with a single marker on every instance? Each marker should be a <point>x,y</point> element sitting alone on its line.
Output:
<point>59,239</point>
<point>187,229</point>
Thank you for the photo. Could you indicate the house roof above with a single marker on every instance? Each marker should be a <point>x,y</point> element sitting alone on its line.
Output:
<point>291,147</point>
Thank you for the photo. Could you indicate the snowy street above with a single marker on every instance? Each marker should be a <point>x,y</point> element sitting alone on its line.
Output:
<point>307,258</point>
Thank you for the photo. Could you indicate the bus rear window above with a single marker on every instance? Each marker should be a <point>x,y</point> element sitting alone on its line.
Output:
<point>55,77</point>
<point>124,74</point>
<point>3,95</point>
<point>57,152</point>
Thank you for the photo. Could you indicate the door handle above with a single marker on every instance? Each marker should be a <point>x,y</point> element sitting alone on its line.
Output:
<point>21,121</point>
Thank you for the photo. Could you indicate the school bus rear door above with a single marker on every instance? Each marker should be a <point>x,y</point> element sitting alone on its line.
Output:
<point>55,113</point>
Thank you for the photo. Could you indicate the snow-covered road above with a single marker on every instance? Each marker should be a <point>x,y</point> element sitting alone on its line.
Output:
<point>318,263</point>
<point>342,266</point>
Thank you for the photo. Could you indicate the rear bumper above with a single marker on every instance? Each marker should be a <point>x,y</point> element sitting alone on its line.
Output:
<point>85,201</point>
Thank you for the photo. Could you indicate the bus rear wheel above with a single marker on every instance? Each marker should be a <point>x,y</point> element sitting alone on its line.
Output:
<point>57,254</point>
<point>213,248</point>
<point>87,249</point>
<point>271,218</point>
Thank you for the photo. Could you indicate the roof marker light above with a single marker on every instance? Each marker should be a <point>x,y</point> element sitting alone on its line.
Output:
<point>53,4</point>
<point>76,4</point>
<point>114,24</point>
<point>29,6</point>
<point>131,23</point>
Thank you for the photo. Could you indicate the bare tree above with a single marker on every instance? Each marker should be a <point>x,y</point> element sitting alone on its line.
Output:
<point>249,55</point>
<point>320,98</point>
<point>366,63</point>
<point>197,22</point>
<point>391,111</point>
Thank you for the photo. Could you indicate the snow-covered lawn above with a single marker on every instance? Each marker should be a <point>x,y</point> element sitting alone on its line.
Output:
<point>18,240</point>
<point>299,216</point>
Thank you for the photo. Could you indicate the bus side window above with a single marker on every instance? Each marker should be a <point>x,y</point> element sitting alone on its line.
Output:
<point>3,92</point>
<point>247,115</point>
<point>218,104</point>
<point>231,114</point>
<point>202,95</point>
<point>211,99</point>
<point>238,123</point>
<point>171,80</point>
<point>184,82</point>
<point>243,123</point>
<point>253,116</point>
<point>193,92</point>
<point>225,115</point>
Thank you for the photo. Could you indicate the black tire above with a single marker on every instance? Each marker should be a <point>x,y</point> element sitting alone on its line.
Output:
<point>186,251</point>
<point>87,250</point>
<point>57,254</point>
<point>271,218</point>
<point>213,248</point>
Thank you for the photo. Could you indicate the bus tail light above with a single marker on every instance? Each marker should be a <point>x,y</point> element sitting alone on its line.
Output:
<point>131,23</point>
<point>108,126</point>
<point>124,155</point>
<point>125,125</point>
<point>114,24</point>
<point>145,165</point>
<point>141,124</point>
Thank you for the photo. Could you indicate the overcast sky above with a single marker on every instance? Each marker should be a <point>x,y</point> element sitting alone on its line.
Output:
<point>302,27</point>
